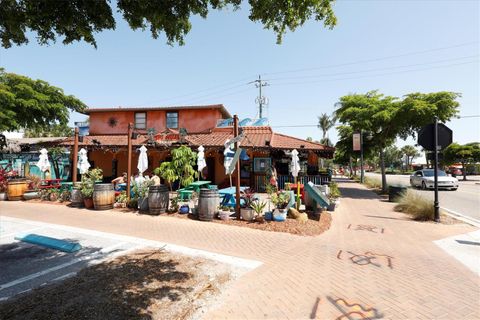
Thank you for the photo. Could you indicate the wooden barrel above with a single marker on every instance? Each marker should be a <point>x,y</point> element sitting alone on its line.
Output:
<point>103,196</point>
<point>157,199</point>
<point>16,188</point>
<point>76,197</point>
<point>207,204</point>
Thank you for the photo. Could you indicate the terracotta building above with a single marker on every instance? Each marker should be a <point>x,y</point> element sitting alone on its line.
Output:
<point>162,128</point>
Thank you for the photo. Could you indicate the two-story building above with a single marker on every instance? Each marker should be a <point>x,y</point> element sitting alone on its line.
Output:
<point>162,128</point>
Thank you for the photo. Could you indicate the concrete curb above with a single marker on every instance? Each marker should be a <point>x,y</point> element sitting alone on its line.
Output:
<point>462,217</point>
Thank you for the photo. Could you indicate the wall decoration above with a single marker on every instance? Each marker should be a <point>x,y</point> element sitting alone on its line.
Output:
<point>112,122</point>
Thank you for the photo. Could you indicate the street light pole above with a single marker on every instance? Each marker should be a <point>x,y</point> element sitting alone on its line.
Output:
<point>362,175</point>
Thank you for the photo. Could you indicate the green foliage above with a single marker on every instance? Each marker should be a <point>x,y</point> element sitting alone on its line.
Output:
<point>167,172</point>
<point>258,206</point>
<point>415,205</point>
<point>88,181</point>
<point>183,160</point>
<point>280,199</point>
<point>140,191</point>
<point>325,123</point>
<point>53,130</point>
<point>465,154</point>
<point>334,191</point>
<point>393,157</point>
<point>79,20</point>
<point>411,153</point>
<point>33,104</point>
<point>174,203</point>
<point>122,198</point>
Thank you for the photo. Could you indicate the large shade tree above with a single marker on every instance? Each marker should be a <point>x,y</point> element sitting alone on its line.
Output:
<point>387,118</point>
<point>464,154</point>
<point>33,104</point>
<point>410,153</point>
<point>79,20</point>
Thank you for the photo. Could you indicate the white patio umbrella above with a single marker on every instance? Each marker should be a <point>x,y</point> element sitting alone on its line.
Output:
<point>142,160</point>
<point>83,165</point>
<point>227,159</point>
<point>295,168</point>
<point>43,162</point>
<point>201,163</point>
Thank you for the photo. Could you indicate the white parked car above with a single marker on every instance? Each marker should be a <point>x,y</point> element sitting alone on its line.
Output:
<point>424,179</point>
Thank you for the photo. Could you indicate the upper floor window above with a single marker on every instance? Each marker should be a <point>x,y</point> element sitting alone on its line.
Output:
<point>172,119</point>
<point>140,120</point>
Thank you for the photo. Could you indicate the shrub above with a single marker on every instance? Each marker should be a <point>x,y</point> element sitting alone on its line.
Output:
<point>373,183</point>
<point>415,205</point>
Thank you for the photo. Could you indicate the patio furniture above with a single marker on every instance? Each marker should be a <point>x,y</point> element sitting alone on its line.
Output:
<point>66,185</point>
<point>186,193</point>
<point>50,184</point>
<point>318,197</point>
<point>229,196</point>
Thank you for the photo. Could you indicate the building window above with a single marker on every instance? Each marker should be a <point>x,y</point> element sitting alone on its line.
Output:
<point>140,120</point>
<point>172,120</point>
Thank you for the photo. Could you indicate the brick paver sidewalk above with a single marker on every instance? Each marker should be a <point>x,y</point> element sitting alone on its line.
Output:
<point>372,263</point>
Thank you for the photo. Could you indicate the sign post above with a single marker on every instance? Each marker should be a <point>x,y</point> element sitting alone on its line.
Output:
<point>435,137</point>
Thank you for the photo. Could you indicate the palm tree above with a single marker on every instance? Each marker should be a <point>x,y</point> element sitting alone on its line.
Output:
<point>325,123</point>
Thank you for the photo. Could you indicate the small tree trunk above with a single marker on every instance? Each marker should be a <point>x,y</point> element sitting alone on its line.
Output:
<point>351,166</point>
<point>464,171</point>
<point>382,169</point>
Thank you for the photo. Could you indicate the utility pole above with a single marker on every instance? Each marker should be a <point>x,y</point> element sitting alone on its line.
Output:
<point>129,159</point>
<point>261,100</point>
<point>75,156</point>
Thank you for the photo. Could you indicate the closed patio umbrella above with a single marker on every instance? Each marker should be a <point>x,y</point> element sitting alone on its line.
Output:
<point>295,168</point>
<point>227,159</point>
<point>201,163</point>
<point>43,162</point>
<point>83,165</point>
<point>142,160</point>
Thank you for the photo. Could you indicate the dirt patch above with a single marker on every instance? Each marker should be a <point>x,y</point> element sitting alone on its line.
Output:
<point>148,284</point>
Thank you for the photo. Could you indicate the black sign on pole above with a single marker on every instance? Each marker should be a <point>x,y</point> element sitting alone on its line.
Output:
<point>435,137</point>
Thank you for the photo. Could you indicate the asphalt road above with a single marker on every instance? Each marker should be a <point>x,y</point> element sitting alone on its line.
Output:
<point>466,200</point>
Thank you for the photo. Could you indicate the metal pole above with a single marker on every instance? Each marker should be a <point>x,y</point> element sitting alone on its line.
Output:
<point>260,98</point>
<point>129,159</point>
<point>361,157</point>
<point>435,170</point>
<point>237,169</point>
<point>75,156</point>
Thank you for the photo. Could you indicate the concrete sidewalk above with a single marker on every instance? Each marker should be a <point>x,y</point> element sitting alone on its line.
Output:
<point>372,263</point>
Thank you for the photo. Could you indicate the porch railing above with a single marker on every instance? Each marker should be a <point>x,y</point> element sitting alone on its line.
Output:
<point>261,180</point>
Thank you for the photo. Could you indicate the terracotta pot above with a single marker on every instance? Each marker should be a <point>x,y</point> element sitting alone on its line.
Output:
<point>88,203</point>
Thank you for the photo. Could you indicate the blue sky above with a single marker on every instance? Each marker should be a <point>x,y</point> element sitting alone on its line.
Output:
<point>396,47</point>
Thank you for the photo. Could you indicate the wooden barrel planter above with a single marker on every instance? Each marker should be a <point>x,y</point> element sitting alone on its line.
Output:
<point>103,196</point>
<point>157,199</point>
<point>16,188</point>
<point>207,204</point>
<point>76,197</point>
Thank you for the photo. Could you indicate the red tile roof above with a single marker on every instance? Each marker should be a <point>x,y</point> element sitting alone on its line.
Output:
<point>259,137</point>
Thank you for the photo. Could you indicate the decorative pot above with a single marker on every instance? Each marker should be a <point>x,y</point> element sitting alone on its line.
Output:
<point>280,214</point>
<point>247,214</point>
<point>143,204</point>
<point>3,196</point>
<point>268,215</point>
<point>184,209</point>
<point>224,215</point>
<point>29,195</point>
<point>88,202</point>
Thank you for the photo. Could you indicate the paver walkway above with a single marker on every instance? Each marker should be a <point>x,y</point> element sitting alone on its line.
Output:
<point>372,263</point>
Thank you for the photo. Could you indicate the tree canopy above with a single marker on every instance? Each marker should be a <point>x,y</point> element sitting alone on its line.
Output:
<point>465,154</point>
<point>79,20</point>
<point>33,104</point>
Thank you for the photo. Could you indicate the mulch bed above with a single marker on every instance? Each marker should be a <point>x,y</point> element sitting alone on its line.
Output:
<point>148,284</point>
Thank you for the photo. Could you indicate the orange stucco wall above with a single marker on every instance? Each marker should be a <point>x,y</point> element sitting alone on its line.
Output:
<point>194,120</point>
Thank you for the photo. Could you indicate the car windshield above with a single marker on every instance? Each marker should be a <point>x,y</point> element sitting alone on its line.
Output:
<point>429,173</point>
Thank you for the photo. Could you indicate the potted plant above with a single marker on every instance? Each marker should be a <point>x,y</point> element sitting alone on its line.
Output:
<point>33,187</point>
<point>333,196</point>
<point>224,212</point>
<point>184,207</point>
<point>246,211</point>
<point>174,203</point>
<point>140,191</point>
<point>121,200</point>
<point>280,200</point>
<point>4,175</point>
<point>54,195</point>
<point>194,203</point>
<point>258,207</point>
<point>86,186</point>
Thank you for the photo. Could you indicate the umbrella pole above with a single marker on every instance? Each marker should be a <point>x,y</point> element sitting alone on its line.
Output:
<point>298,194</point>
<point>230,180</point>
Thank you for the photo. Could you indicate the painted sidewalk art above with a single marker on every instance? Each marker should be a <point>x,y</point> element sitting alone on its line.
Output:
<point>366,227</point>
<point>367,258</point>
<point>354,311</point>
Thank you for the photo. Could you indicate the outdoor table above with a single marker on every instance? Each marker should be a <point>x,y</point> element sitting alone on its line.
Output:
<point>229,196</point>
<point>66,185</point>
<point>50,184</point>
<point>197,185</point>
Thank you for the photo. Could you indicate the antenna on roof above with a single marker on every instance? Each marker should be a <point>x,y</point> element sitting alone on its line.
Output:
<point>262,101</point>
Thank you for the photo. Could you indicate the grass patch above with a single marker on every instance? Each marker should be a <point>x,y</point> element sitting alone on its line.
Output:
<point>415,205</point>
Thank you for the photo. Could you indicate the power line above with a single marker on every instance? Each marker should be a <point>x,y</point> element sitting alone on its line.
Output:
<point>261,100</point>
<point>376,69</point>
<point>375,59</point>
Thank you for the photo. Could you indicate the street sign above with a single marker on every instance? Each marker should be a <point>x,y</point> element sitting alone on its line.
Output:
<point>231,168</point>
<point>426,137</point>
<point>356,142</point>
<point>238,139</point>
